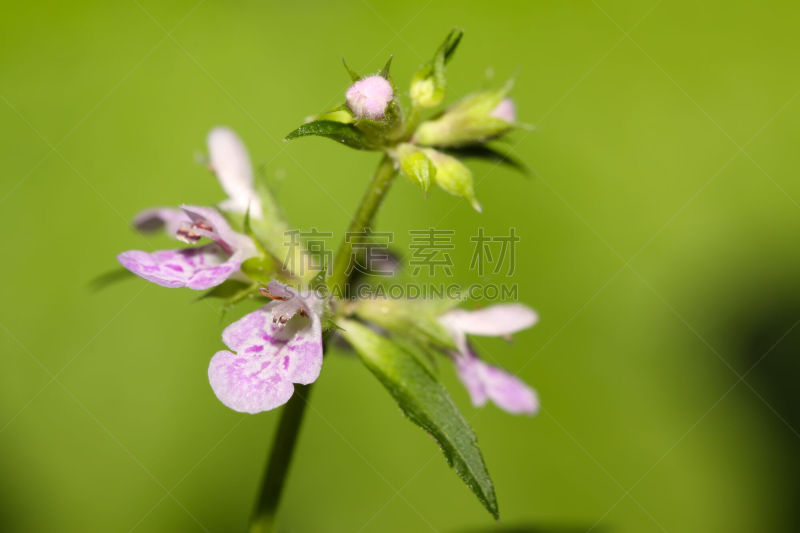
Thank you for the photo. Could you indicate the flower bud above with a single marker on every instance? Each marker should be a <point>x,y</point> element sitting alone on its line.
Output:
<point>425,93</point>
<point>473,120</point>
<point>368,98</point>
<point>505,110</point>
<point>453,176</point>
<point>412,163</point>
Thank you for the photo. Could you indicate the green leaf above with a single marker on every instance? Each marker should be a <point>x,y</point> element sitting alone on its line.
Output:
<point>490,154</point>
<point>344,133</point>
<point>425,401</point>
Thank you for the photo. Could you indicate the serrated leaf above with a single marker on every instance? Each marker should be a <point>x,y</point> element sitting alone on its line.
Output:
<point>346,134</point>
<point>425,401</point>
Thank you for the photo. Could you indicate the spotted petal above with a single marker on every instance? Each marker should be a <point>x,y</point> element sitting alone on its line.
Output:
<point>276,346</point>
<point>196,268</point>
<point>248,384</point>
<point>486,382</point>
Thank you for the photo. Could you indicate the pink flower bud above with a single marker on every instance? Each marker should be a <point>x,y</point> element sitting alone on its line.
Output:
<point>505,110</point>
<point>369,97</point>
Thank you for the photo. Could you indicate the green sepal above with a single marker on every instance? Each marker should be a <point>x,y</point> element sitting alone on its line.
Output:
<point>412,163</point>
<point>346,134</point>
<point>262,269</point>
<point>453,176</point>
<point>426,403</point>
<point>320,281</point>
<point>384,73</point>
<point>230,292</point>
<point>225,290</point>
<point>429,83</point>
<point>417,319</point>
<point>354,76</point>
<point>388,128</point>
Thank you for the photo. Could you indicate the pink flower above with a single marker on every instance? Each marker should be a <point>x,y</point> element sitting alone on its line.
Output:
<point>369,97</point>
<point>198,268</point>
<point>276,346</point>
<point>505,110</point>
<point>483,381</point>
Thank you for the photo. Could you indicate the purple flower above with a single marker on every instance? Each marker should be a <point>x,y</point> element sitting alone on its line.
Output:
<point>368,98</point>
<point>200,267</point>
<point>230,161</point>
<point>483,381</point>
<point>276,346</point>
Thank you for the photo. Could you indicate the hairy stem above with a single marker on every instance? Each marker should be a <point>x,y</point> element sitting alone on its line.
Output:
<point>280,457</point>
<point>371,201</point>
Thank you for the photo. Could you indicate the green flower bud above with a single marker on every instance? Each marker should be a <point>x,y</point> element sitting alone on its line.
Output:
<point>475,119</point>
<point>412,163</point>
<point>426,93</point>
<point>453,176</point>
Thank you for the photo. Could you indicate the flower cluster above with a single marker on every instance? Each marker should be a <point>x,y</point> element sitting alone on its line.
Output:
<point>234,252</point>
<point>281,344</point>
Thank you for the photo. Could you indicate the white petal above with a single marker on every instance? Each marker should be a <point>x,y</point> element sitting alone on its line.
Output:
<point>495,320</point>
<point>231,163</point>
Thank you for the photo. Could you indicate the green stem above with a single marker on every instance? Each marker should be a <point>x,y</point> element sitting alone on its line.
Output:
<point>280,457</point>
<point>362,220</point>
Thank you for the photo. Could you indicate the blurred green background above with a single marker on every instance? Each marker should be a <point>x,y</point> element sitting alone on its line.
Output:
<point>659,245</point>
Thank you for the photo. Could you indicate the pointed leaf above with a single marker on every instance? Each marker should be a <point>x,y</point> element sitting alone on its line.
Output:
<point>490,154</point>
<point>344,133</point>
<point>424,400</point>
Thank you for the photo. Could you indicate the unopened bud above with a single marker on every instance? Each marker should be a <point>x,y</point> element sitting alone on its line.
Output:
<point>453,176</point>
<point>505,110</point>
<point>368,98</point>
